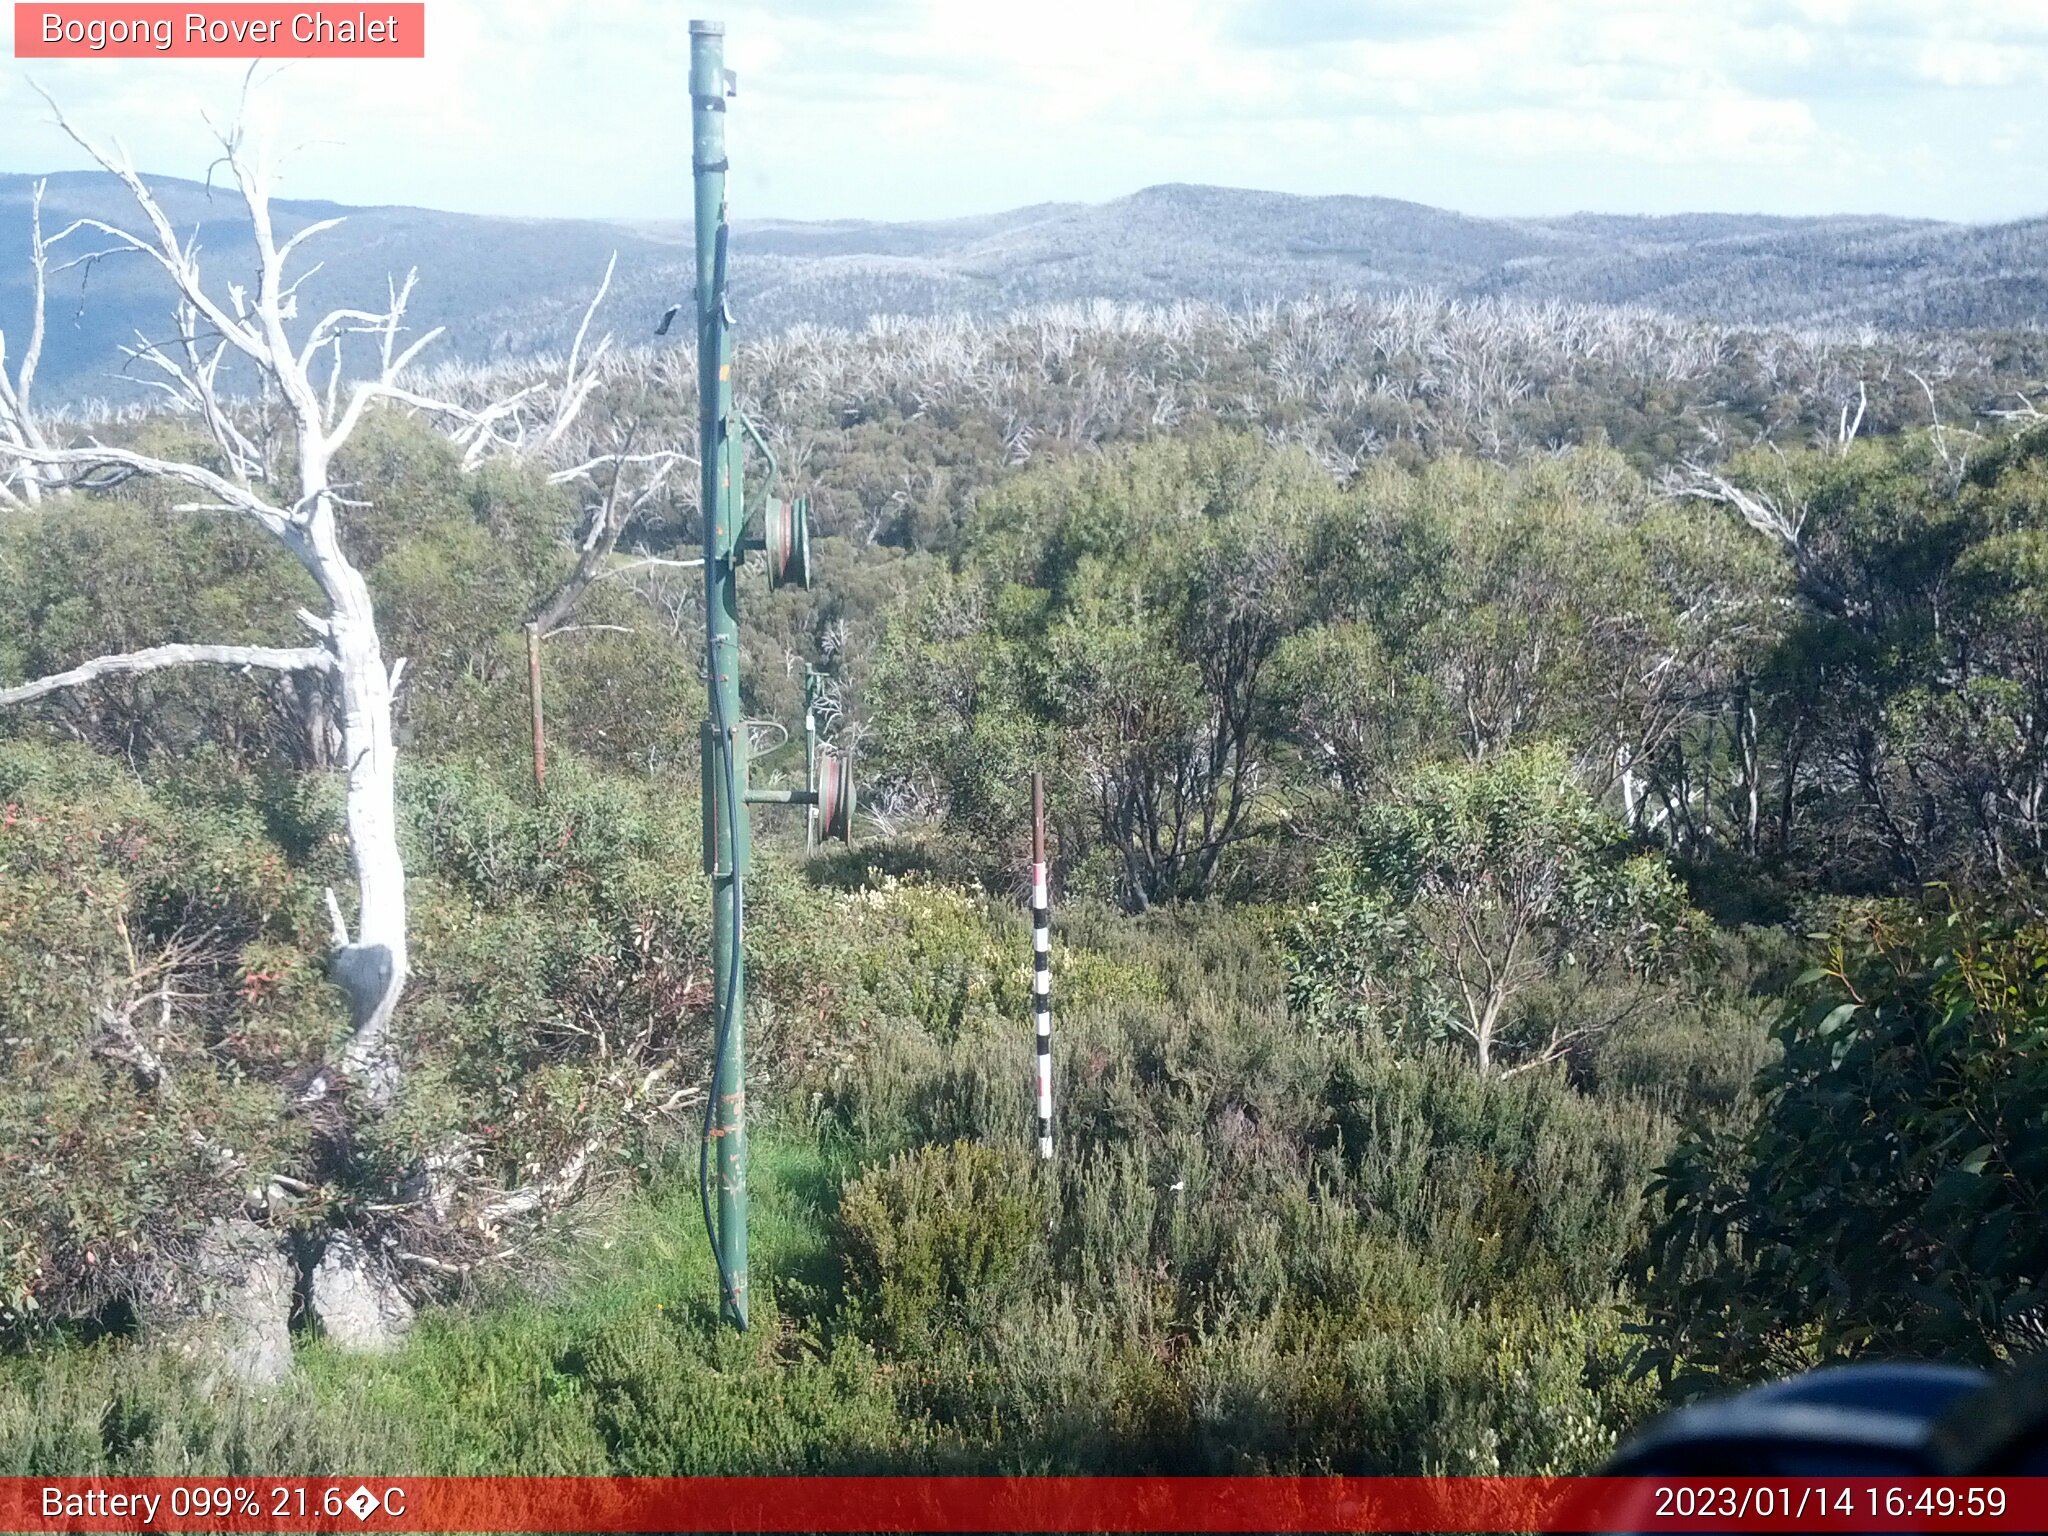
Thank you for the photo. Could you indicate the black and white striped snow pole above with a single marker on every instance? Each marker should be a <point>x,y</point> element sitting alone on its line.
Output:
<point>1041,963</point>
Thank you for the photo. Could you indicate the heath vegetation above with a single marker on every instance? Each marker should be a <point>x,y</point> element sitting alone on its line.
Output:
<point>1548,805</point>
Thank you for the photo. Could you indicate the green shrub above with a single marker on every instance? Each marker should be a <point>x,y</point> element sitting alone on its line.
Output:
<point>1252,1225</point>
<point>673,1400</point>
<point>1885,1198</point>
<point>1523,1187</point>
<point>1495,904</point>
<point>941,1240</point>
<point>156,992</point>
<point>1456,1393</point>
<point>163,993</point>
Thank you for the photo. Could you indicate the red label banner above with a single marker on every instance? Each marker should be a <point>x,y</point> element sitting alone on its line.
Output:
<point>1047,1504</point>
<point>225,31</point>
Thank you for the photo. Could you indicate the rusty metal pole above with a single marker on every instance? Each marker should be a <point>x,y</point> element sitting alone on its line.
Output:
<point>540,730</point>
<point>1041,963</point>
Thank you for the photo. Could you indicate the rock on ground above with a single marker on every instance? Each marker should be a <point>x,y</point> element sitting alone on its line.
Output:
<point>356,1299</point>
<point>231,1309</point>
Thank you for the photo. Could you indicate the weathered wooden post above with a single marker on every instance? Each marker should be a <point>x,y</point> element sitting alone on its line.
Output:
<point>540,730</point>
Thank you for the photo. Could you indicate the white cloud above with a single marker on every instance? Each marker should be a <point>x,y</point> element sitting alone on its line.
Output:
<point>926,107</point>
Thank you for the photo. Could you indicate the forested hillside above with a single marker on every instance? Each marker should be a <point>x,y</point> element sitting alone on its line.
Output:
<point>511,288</point>
<point>1548,808</point>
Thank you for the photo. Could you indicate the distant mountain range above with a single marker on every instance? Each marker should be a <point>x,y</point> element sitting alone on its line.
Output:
<point>506,287</point>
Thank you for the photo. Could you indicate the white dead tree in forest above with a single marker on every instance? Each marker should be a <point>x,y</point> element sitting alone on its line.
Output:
<point>17,413</point>
<point>623,480</point>
<point>248,329</point>
<point>625,483</point>
<point>1776,517</point>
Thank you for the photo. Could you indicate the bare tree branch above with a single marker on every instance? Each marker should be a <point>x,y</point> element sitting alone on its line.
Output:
<point>177,258</point>
<point>1768,515</point>
<point>624,499</point>
<point>157,657</point>
<point>226,493</point>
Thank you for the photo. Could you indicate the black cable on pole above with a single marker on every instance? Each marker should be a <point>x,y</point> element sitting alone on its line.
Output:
<point>723,1038</point>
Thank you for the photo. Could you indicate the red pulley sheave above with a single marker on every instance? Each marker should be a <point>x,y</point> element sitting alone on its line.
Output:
<point>786,533</point>
<point>835,795</point>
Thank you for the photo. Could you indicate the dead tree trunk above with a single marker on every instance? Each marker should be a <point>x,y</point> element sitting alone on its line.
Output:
<point>371,968</point>
<point>630,483</point>
<point>370,965</point>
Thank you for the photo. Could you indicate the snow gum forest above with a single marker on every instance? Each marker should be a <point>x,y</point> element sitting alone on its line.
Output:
<point>1548,812</point>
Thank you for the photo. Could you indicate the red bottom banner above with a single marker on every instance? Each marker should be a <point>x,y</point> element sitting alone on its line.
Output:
<point>1023,1504</point>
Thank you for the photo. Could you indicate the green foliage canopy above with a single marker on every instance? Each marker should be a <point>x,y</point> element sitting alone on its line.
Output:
<point>1889,1196</point>
<point>1452,900</point>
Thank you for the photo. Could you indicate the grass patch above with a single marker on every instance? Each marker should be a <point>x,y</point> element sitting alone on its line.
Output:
<point>619,1366</point>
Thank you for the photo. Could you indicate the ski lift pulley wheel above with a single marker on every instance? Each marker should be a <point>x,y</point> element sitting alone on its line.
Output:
<point>835,795</point>
<point>788,541</point>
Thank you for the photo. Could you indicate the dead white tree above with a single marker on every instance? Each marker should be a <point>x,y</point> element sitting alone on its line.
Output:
<point>1777,517</point>
<point>1955,466</point>
<point>624,481</point>
<point>1847,428</point>
<point>252,330</point>
<point>625,484</point>
<point>20,482</point>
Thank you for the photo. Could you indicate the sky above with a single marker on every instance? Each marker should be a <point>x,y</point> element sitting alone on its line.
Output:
<point>913,109</point>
